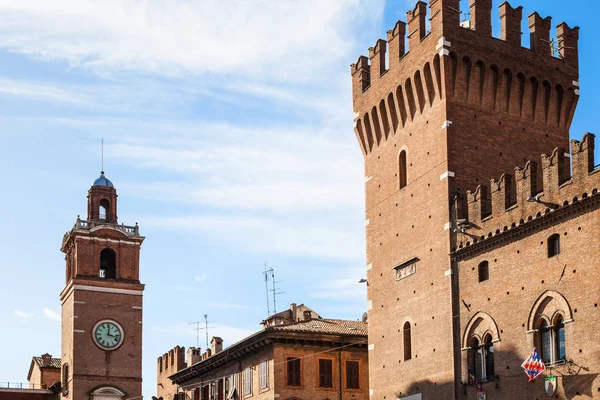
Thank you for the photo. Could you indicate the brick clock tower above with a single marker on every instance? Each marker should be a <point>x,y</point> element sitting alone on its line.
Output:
<point>433,123</point>
<point>102,303</point>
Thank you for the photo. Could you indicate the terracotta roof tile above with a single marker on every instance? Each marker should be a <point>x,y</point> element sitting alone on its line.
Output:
<point>331,326</point>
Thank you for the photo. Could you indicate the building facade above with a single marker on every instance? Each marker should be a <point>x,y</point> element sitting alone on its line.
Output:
<point>436,122</point>
<point>102,303</point>
<point>305,358</point>
<point>43,372</point>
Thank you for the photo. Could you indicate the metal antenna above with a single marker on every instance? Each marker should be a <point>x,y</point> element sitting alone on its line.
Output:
<point>200,328</point>
<point>266,273</point>
<point>275,290</point>
<point>102,156</point>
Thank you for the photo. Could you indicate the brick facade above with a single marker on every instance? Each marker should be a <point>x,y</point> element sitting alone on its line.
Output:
<point>456,110</point>
<point>100,288</point>
<point>306,341</point>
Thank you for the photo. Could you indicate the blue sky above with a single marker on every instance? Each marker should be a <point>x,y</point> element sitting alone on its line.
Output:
<point>228,135</point>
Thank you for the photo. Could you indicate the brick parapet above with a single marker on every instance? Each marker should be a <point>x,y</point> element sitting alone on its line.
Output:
<point>502,207</point>
<point>494,73</point>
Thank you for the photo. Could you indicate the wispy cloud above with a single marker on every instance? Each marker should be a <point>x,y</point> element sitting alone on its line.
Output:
<point>200,278</point>
<point>284,40</point>
<point>23,314</point>
<point>50,314</point>
<point>344,288</point>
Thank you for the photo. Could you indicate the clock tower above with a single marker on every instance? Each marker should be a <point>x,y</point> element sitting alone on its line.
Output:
<point>102,303</point>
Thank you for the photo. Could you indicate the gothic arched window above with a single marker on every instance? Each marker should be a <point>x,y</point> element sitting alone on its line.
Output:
<point>552,340</point>
<point>108,264</point>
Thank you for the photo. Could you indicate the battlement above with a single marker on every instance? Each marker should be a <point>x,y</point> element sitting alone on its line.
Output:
<point>172,361</point>
<point>503,206</point>
<point>466,63</point>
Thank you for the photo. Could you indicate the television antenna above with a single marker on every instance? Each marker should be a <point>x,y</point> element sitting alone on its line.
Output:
<point>199,328</point>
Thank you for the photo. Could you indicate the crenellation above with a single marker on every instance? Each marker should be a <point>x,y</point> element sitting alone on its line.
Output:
<point>568,43</point>
<point>377,55</point>
<point>481,16</point>
<point>502,194</point>
<point>397,43</point>
<point>510,24</point>
<point>553,174</point>
<point>526,182</point>
<point>529,203</point>
<point>539,29</point>
<point>445,17</point>
<point>416,24</point>
<point>582,156</point>
<point>361,75</point>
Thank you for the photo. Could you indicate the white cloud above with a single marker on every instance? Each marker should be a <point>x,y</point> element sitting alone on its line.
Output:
<point>343,286</point>
<point>270,234</point>
<point>23,314</point>
<point>285,39</point>
<point>50,314</point>
<point>200,278</point>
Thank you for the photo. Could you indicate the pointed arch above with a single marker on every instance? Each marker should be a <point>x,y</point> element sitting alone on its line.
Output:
<point>547,306</point>
<point>368,131</point>
<point>438,73</point>
<point>376,125</point>
<point>401,105</point>
<point>410,98</point>
<point>361,136</point>
<point>420,91</point>
<point>407,341</point>
<point>480,325</point>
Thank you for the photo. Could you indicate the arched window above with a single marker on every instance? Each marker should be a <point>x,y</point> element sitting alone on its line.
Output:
<point>559,327</point>
<point>104,209</point>
<point>552,341</point>
<point>553,245</point>
<point>484,271</point>
<point>545,342</point>
<point>108,264</point>
<point>489,357</point>
<point>407,342</point>
<point>481,359</point>
<point>475,360</point>
<point>402,168</point>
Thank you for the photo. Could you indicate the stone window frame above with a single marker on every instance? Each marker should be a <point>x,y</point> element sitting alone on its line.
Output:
<point>480,326</point>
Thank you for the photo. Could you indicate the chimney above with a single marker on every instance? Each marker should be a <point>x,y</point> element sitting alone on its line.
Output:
<point>216,345</point>
<point>293,309</point>
<point>193,356</point>
<point>46,359</point>
<point>307,315</point>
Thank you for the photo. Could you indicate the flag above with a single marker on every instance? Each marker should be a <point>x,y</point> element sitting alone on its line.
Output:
<point>474,379</point>
<point>533,365</point>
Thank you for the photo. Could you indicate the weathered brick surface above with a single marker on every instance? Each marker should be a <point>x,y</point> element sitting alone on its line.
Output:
<point>466,108</point>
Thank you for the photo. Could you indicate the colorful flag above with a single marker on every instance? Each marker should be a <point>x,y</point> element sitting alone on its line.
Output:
<point>474,379</point>
<point>533,365</point>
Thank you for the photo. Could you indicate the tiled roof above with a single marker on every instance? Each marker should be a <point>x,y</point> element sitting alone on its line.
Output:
<point>52,362</point>
<point>327,326</point>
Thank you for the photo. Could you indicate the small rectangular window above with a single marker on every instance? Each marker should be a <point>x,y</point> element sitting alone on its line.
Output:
<point>293,371</point>
<point>553,245</point>
<point>248,381</point>
<point>264,374</point>
<point>352,375</point>
<point>325,373</point>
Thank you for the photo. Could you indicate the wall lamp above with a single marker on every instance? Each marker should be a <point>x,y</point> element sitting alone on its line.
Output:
<point>363,280</point>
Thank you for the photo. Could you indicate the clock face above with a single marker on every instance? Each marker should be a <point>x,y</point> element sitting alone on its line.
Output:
<point>108,335</point>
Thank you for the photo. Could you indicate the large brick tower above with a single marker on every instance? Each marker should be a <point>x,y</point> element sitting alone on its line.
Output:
<point>457,109</point>
<point>102,303</point>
